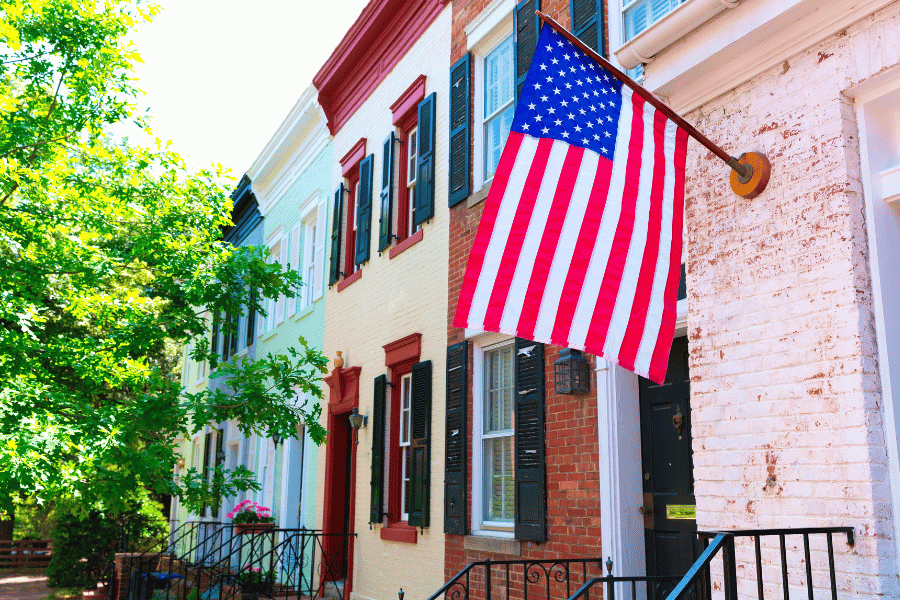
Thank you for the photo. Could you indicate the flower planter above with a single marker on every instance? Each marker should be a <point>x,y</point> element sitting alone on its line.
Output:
<point>252,528</point>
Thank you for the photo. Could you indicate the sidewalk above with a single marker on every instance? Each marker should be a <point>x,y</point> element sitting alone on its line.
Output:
<point>23,585</point>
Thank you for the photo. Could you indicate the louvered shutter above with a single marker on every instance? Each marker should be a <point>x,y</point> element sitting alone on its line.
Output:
<point>214,343</point>
<point>206,456</point>
<point>334,272</point>
<point>420,477</point>
<point>587,23</point>
<point>251,318</point>
<point>219,460</point>
<point>364,210</point>
<point>387,194</point>
<point>460,137</point>
<point>321,217</point>
<point>295,263</point>
<point>456,437</point>
<point>376,502</point>
<point>527,28</point>
<point>424,205</point>
<point>531,494</point>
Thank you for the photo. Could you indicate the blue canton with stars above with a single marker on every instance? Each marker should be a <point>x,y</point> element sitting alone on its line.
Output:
<point>569,97</point>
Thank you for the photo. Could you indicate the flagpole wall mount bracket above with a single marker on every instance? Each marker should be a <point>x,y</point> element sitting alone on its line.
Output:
<point>756,170</point>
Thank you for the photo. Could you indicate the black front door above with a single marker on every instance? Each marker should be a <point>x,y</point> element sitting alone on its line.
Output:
<point>669,517</point>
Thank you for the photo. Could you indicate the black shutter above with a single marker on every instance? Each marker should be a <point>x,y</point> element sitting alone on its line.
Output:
<point>460,139</point>
<point>214,344</point>
<point>531,493</point>
<point>455,457</point>
<point>206,455</point>
<point>387,194</point>
<point>364,210</point>
<point>424,203</point>
<point>219,460</point>
<point>527,28</point>
<point>376,501</point>
<point>334,272</point>
<point>587,23</point>
<point>251,319</point>
<point>420,478</point>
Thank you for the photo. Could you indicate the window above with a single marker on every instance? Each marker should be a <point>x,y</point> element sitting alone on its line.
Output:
<point>405,454</point>
<point>307,260</point>
<point>641,14</point>
<point>409,138</point>
<point>499,103</point>
<point>497,438</point>
<point>350,265</point>
<point>411,153</point>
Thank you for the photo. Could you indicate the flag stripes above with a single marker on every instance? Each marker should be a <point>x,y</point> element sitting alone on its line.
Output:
<point>581,250</point>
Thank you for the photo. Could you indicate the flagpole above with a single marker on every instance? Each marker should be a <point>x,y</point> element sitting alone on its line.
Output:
<point>746,181</point>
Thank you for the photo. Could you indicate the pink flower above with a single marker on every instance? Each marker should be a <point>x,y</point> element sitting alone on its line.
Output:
<point>230,515</point>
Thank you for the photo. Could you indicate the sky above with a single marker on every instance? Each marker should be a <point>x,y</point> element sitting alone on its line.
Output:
<point>220,76</point>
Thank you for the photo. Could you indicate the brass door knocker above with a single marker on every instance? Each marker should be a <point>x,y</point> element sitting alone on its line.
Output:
<point>678,420</point>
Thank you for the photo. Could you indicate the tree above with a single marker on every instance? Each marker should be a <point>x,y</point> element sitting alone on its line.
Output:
<point>111,260</point>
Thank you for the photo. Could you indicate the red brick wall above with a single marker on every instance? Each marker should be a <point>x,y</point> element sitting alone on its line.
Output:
<point>573,492</point>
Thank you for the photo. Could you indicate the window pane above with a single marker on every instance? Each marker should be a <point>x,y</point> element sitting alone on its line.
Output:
<point>644,13</point>
<point>496,130</point>
<point>499,484</point>
<point>498,77</point>
<point>498,406</point>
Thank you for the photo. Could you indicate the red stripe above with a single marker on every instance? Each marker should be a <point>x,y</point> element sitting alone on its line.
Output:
<point>581,257</point>
<point>517,236</point>
<point>609,289</point>
<point>660,360</point>
<point>549,242</point>
<point>486,228</point>
<point>634,332</point>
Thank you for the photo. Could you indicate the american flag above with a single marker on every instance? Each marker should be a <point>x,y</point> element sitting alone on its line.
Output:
<point>580,240</point>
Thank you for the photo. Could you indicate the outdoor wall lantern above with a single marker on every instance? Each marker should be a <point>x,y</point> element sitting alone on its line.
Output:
<point>572,373</point>
<point>276,437</point>
<point>357,421</point>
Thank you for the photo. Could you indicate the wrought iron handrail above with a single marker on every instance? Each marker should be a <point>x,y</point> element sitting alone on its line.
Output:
<point>696,583</point>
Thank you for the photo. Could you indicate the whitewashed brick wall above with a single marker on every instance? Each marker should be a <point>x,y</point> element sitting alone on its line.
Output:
<point>787,424</point>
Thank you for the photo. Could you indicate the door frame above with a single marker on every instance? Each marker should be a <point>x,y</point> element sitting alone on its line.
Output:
<point>621,488</point>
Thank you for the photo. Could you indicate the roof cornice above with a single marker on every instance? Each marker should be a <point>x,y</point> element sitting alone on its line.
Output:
<point>376,41</point>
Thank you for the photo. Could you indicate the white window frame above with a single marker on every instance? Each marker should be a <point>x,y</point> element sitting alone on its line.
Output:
<point>486,33</point>
<point>405,419</point>
<point>481,345</point>
<point>411,158</point>
<point>276,240</point>
<point>484,117</point>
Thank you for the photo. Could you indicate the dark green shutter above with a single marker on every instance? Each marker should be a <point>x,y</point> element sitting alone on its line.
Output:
<point>219,460</point>
<point>587,23</point>
<point>376,502</point>
<point>424,203</point>
<point>251,319</point>
<point>455,456</point>
<point>531,492</point>
<point>364,210</point>
<point>420,477</point>
<point>387,194</point>
<point>460,137</point>
<point>527,28</point>
<point>214,344</point>
<point>334,272</point>
<point>206,449</point>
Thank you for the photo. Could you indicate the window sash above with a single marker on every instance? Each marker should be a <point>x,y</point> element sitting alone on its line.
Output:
<point>404,443</point>
<point>499,480</point>
<point>639,15</point>
<point>499,78</point>
<point>411,156</point>
<point>309,264</point>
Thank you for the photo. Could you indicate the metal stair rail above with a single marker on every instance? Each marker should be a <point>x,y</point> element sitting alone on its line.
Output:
<point>697,582</point>
<point>539,580</point>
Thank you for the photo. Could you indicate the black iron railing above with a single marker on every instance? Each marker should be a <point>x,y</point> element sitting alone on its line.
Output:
<point>224,562</point>
<point>520,579</point>
<point>697,583</point>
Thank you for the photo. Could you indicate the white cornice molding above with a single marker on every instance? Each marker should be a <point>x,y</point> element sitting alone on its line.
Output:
<point>680,22</point>
<point>296,143</point>
<point>740,43</point>
<point>488,20</point>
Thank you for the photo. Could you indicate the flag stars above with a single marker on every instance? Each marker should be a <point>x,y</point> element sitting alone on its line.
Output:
<point>532,106</point>
<point>565,134</point>
<point>555,60</point>
<point>556,91</point>
<point>558,122</point>
<point>545,131</point>
<point>549,78</point>
<point>543,67</point>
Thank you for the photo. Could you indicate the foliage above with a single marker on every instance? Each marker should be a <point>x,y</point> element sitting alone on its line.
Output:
<point>254,579</point>
<point>250,512</point>
<point>34,521</point>
<point>111,260</point>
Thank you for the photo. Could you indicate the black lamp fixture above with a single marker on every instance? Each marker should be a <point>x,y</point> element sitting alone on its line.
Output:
<point>572,373</point>
<point>276,437</point>
<point>357,421</point>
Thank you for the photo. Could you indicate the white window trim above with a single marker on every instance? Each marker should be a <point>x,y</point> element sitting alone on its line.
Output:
<point>501,27</point>
<point>404,516</point>
<point>307,291</point>
<point>482,344</point>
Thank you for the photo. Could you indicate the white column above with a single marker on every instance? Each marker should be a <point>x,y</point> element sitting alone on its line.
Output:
<point>621,491</point>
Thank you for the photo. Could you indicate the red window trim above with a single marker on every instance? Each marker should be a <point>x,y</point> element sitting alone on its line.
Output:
<point>408,242</point>
<point>350,238</point>
<point>399,356</point>
<point>353,157</point>
<point>409,100</point>
<point>409,122</point>
<point>346,281</point>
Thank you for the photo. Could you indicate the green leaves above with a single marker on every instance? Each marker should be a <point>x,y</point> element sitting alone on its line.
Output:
<point>111,260</point>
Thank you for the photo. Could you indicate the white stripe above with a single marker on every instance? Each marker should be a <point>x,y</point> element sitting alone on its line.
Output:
<point>531,245</point>
<point>621,314</point>
<point>663,262</point>
<point>565,248</point>
<point>587,300</point>
<point>500,234</point>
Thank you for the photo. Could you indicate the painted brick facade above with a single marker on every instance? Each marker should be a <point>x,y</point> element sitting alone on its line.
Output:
<point>785,393</point>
